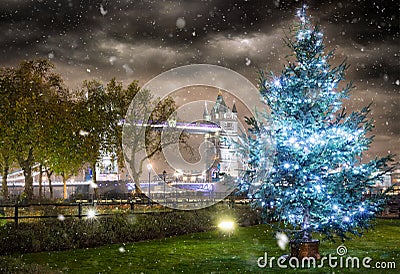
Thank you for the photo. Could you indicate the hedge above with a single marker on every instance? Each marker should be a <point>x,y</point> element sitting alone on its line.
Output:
<point>72,233</point>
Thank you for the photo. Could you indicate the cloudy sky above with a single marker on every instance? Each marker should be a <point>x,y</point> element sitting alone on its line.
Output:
<point>141,39</point>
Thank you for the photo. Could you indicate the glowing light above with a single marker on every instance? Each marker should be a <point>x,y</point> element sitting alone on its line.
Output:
<point>91,213</point>
<point>346,219</point>
<point>300,36</point>
<point>335,207</point>
<point>61,217</point>
<point>277,83</point>
<point>301,13</point>
<point>227,226</point>
<point>292,140</point>
<point>286,165</point>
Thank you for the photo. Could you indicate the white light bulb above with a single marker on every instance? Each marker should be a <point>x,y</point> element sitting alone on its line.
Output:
<point>292,140</point>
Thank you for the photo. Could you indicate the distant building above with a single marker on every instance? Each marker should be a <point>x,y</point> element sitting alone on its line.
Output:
<point>395,178</point>
<point>220,151</point>
<point>388,180</point>
<point>223,159</point>
<point>107,168</point>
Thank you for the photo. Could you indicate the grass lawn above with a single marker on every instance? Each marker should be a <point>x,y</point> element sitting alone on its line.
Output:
<point>214,252</point>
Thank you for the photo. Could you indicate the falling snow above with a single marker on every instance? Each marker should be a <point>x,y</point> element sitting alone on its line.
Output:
<point>112,59</point>
<point>121,249</point>
<point>180,23</point>
<point>282,240</point>
<point>102,10</point>
<point>127,69</point>
<point>138,40</point>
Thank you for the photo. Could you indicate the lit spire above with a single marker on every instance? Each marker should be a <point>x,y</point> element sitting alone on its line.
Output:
<point>234,110</point>
<point>206,116</point>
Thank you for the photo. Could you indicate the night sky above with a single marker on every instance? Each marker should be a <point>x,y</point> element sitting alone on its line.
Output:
<point>141,39</point>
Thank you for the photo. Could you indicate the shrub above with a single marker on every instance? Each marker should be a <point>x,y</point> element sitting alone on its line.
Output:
<point>16,265</point>
<point>53,234</point>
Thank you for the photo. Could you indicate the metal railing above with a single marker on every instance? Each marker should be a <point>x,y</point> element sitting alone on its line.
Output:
<point>80,209</point>
<point>87,207</point>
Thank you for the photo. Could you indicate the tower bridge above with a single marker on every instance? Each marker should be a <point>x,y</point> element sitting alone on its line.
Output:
<point>219,128</point>
<point>191,128</point>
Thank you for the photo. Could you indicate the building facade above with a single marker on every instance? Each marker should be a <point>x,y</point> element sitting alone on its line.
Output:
<point>221,154</point>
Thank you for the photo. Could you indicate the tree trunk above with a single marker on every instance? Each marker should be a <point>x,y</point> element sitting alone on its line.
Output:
<point>65,196</point>
<point>136,181</point>
<point>305,247</point>
<point>51,189</point>
<point>40,180</point>
<point>49,173</point>
<point>94,180</point>
<point>136,172</point>
<point>305,225</point>
<point>28,182</point>
<point>4,181</point>
<point>26,166</point>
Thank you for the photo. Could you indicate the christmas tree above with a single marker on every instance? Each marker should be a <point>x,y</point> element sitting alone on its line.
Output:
<point>311,178</point>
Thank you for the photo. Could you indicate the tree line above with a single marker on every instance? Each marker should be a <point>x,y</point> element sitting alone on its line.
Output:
<point>44,123</point>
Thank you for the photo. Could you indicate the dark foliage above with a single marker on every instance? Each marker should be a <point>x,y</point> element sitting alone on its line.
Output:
<point>72,233</point>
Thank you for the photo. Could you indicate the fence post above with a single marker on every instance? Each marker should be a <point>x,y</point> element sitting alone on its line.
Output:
<point>132,206</point>
<point>80,210</point>
<point>16,215</point>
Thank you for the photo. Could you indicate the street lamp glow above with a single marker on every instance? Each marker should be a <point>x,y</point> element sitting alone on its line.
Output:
<point>227,226</point>
<point>149,167</point>
<point>91,213</point>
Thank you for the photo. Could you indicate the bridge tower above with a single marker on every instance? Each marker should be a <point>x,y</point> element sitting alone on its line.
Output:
<point>220,148</point>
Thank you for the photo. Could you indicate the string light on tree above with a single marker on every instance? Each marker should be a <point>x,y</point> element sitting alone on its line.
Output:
<point>317,180</point>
